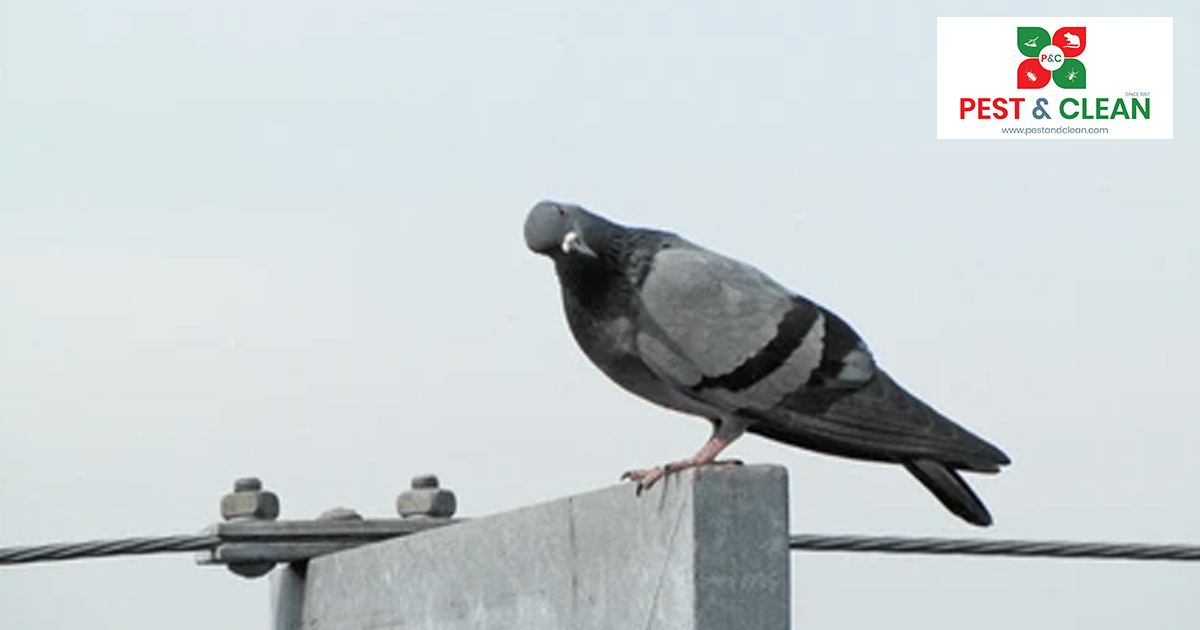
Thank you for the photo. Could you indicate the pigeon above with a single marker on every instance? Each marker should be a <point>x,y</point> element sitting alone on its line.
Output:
<point>701,333</point>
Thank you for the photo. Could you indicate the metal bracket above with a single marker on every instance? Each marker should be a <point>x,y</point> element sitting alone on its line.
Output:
<point>252,542</point>
<point>253,548</point>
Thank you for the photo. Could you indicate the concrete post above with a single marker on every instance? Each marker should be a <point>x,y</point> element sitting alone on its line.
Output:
<point>706,550</point>
<point>287,597</point>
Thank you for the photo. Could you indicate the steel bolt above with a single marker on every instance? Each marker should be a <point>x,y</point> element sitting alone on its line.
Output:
<point>421,482</point>
<point>247,484</point>
<point>249,501</point>
<point>426,499</point>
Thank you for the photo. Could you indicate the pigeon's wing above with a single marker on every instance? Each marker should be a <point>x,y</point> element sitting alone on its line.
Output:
<point>734,338</point>
<point>724,333</point>
<point>878,420</point>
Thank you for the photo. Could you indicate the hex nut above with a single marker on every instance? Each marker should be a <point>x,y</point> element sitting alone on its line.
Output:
<point>249,501</point>
<point>426,499</point>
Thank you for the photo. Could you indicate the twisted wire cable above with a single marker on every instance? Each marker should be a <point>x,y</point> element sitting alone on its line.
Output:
<point>102,548</point>
<point>1008,548</point>
<point>797,542</point>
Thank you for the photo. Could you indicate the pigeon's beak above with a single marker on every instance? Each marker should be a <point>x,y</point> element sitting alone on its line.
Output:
<point>572,243</point>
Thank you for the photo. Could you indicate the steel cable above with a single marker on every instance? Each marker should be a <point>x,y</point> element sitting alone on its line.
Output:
<point>798,542</point>
<point>102,548</point>
<point>1009,548</point>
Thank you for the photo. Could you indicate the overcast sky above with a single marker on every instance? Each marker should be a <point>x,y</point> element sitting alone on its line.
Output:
<point>284,239</point>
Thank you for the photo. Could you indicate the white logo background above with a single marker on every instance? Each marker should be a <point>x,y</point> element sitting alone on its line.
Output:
<point>978,58</point>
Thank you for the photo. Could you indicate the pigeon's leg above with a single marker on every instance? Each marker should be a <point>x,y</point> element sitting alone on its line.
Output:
<point>724,433</point>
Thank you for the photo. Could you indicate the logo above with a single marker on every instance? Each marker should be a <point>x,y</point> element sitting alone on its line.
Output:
<point>1129,95</point>
<point>1049,57</point>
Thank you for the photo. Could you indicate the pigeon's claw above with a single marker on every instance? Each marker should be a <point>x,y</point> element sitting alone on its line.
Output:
<point>647,477</point>
<point>722,437</point>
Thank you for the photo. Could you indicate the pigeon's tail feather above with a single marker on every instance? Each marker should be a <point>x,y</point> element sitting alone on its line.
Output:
<point>954,493</point>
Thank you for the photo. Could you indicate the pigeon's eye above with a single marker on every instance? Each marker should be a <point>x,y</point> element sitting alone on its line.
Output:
<point>562,213</point>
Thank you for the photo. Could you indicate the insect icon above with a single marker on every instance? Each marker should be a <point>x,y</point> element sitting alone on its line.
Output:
<point>1032,76</point>
<point>1033,42</point>
<point>1071,75</point>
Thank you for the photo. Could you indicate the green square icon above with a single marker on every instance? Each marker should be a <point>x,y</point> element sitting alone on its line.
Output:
<point>1071,75</point>
<point>1031,40</point>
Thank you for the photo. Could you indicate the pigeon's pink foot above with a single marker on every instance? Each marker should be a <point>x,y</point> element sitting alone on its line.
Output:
<point>723,435</point>
<point>647,477</point>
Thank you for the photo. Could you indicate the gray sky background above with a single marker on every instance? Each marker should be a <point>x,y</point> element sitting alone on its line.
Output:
<point>284,239</point>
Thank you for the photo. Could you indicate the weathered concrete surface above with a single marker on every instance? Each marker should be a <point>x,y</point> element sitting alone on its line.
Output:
<point>707,550</point>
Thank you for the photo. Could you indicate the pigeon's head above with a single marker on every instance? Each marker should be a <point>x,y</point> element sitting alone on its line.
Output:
<point>559,229</point>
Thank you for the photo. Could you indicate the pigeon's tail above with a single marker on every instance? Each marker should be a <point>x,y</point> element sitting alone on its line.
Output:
<point>954,493</point>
